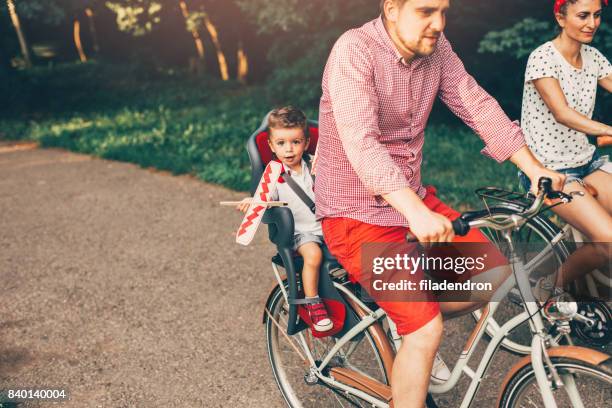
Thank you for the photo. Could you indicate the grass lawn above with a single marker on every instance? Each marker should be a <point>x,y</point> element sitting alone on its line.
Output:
<point>199,126</point>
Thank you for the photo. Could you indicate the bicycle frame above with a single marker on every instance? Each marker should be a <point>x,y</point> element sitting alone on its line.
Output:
<point>540,341</point>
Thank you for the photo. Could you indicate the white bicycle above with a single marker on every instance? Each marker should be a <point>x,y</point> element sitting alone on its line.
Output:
<point>353,368</point>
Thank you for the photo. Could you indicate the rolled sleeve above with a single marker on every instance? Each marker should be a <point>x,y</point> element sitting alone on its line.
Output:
<point>355,110</point>
<point>474,106</point>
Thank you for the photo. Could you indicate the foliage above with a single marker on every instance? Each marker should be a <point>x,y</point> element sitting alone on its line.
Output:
<point>53,12</point>
<point>159,119</point>
<point>302,35</point>
<point>156,119</point>
<point>518,40</point>
<point>299,82</point>
<point>137,17</point>
<point>287,15</point>
<point>48,11</point>
<point>195,20</point>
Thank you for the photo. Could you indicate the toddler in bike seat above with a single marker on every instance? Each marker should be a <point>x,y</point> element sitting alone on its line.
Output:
<point>288,139</point>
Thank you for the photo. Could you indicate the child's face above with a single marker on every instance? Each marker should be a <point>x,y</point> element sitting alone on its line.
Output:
<point>288,145</point>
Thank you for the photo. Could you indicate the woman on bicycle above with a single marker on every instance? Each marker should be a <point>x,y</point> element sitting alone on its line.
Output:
<point>561,82</point>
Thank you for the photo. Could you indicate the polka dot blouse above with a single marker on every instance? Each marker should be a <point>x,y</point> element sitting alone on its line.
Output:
<point>555,145</point>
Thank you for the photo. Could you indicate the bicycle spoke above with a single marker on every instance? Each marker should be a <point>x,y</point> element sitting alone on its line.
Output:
<point>282,330</point>
<point>290,371</point>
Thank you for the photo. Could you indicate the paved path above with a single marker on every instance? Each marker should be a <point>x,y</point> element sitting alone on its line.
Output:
<point>125,286</point>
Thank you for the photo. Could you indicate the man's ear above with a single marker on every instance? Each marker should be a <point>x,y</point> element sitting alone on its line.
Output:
<point>307,143</point>
<point>391,10</point>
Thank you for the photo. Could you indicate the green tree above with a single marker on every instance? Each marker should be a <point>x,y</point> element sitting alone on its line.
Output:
<point>137,17</point>
<point>302,34</point>
<point>25,50</point>
<point>52,12</point>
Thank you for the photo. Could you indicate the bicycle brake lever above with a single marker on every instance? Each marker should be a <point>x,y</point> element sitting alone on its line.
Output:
<point>560,195</point>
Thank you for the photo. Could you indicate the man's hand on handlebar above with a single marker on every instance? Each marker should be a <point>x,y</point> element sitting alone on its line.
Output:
<point>431,227</point>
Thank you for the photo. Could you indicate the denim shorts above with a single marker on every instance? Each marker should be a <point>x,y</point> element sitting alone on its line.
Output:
<point>573,174</point>
<point>302,238</point>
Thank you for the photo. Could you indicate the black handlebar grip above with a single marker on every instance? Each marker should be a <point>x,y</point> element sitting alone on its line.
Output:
<point>545,185</point>
<point>411,238</point>
<point>461,226</point>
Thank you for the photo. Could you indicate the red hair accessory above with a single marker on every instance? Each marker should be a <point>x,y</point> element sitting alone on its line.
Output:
<point>559,3</point>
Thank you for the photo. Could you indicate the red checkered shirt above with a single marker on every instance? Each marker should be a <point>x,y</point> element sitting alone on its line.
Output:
<point>372,120</point>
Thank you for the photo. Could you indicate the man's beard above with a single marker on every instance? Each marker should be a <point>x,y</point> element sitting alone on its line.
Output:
<point>418,49</point>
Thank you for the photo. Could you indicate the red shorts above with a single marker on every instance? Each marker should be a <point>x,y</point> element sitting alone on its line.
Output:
<point>345,237</point>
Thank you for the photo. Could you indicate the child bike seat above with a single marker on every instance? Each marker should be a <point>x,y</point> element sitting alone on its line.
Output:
<point>280,232</point>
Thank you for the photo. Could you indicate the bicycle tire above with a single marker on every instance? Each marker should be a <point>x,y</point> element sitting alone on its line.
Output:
<point>293,387</point>
<point>593,381</point>
<point>546,231</point>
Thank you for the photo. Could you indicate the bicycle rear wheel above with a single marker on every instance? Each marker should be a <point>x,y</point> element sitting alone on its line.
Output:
<point>290,369</point>
<point>533,238</point>
<point>591,385</point>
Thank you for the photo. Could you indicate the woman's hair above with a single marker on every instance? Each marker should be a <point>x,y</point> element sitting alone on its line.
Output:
<point>564,6</point>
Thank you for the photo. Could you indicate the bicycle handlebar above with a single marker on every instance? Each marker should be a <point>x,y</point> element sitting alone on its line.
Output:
<point>469,219</point>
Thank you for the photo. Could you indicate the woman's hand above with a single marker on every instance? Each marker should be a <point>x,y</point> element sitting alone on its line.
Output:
<point>604,140</point>
<point>531,166</point>
<point>245,204</point>
<point>558,179</point>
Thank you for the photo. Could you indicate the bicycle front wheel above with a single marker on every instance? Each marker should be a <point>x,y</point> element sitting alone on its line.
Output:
<point>290,366</point>
<point>585,385</point>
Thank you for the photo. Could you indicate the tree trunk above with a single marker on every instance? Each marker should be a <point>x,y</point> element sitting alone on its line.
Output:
<point>92,30</point>
<point>22,41</point>
<point>77,39</point>
<point>194,33</point>
<point>212,30</point>
<point>243,65</point>
<point>198,65</point>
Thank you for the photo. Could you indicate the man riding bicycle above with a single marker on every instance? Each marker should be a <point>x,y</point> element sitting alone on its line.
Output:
<point>379,85</point>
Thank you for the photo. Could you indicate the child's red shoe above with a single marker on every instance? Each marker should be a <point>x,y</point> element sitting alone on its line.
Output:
<point>318,315</point>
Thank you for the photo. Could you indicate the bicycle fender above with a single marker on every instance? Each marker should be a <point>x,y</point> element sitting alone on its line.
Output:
<point>588,355</point>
